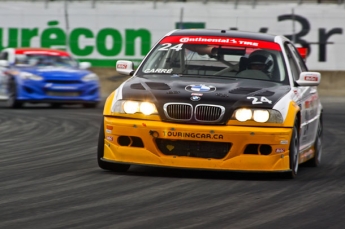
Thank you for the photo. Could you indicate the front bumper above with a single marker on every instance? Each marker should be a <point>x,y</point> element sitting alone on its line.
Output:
<point>41,91</point>
<point>142,142</point>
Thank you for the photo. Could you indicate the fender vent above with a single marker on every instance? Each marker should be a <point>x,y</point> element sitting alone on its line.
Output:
<point>158,86</point>
<point>137,86</point>
<point>244,90</point>
<point>265,93</point>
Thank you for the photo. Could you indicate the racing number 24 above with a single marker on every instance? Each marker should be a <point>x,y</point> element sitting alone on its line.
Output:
<point>262,100</point>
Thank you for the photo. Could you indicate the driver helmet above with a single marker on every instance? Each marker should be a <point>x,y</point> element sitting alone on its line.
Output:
<point>260,60</point>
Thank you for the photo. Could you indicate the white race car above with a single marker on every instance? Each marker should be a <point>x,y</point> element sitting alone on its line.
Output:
<point>216,100</point>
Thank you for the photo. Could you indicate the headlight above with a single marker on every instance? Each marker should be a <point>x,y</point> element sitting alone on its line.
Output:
<point>147,108</point>
<point>132,107</point>
<point>261,115</point>
<point>243,115</point>
<point>90,77</point>
<point>29,76</point>
<point>258,115</point>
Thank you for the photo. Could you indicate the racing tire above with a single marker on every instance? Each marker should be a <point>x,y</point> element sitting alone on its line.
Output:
<point>294,153</point>
<point>316,160</point>
<point>12,101</point>
<point>115,167</point>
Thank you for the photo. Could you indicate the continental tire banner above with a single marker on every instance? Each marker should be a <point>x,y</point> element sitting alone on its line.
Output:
<point>106,32</point>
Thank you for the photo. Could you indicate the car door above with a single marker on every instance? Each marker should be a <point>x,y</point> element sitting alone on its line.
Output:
<point>312,105</point>
<point>308,99</point>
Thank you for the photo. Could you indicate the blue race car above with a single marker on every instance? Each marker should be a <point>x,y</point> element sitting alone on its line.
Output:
<point>41,75</point>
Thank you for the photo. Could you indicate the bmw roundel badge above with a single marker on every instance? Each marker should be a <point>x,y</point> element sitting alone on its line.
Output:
<point>200,88</point>
<point>195,98</point>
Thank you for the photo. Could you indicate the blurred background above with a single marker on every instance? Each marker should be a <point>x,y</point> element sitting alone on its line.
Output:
<point>104,31</point>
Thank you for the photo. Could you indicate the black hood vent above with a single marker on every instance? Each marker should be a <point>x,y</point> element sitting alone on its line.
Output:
<point>265,93</point>
<point>137,86</point>
<point>244,90</point>
<point>158,86</point>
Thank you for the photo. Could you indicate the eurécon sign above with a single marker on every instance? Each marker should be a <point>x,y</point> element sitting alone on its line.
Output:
<point>108,42</point>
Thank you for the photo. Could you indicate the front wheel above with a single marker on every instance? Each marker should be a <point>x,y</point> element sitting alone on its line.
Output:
<point>12,101</point>
<point>294,153</point>
<point>115,167</point>
<point>316,160</point>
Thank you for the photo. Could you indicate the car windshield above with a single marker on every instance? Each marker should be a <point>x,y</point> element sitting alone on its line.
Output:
<point>226,61</point>
<point>43,60</point>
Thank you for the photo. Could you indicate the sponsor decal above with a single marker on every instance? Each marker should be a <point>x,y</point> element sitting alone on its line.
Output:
<point>280,150</point>
<point>239,42</point>
<point>196,94</point>
<point>307,154</point>
<point>173,92</point>
<point>195,98</point>
<point>178,134</point>
<point>284,142</point>
<point>249,43</point>
<point>200,88</point>
<point>218,40</point>
<point>109,127</point>
<point>222,95</point>
<point>108,131</point>
<point>158,70</point>
<point>109,138</point>
<point>311,78</point>
<point>121,66</point>
<point>211,40</point>
<point>307,104</point>
<point>170,147</point>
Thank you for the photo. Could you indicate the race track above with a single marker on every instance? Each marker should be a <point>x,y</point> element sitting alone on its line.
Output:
<point>50,179</point>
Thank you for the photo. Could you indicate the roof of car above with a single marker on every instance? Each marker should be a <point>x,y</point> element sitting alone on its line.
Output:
<point>224,33</point>
<point>45,51</point>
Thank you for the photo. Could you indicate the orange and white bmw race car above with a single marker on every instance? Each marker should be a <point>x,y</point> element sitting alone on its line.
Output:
<point>215,100</point>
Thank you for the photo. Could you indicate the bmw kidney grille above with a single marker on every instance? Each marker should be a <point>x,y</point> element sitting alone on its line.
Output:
<point>201,112</point>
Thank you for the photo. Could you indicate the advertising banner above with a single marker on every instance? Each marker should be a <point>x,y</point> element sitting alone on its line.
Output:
<point>107,32</point>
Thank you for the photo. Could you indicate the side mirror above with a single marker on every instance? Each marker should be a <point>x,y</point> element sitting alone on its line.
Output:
<point>4,63</point>
<point>125,67</point>
<point>309,79</point>
<point>84,65</point>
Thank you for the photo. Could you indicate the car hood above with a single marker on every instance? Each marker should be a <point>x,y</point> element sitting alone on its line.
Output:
<point>56,72</point>
<point>229,93</point>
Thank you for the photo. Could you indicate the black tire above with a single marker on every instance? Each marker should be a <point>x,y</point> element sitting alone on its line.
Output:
<point>115,167</point>
<point>12,101</point>
<point>294,152</point>
<point>316,160</point>
<point>90,105</point>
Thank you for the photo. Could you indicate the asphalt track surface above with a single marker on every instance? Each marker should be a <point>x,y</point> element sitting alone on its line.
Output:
<point>50,179</point>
